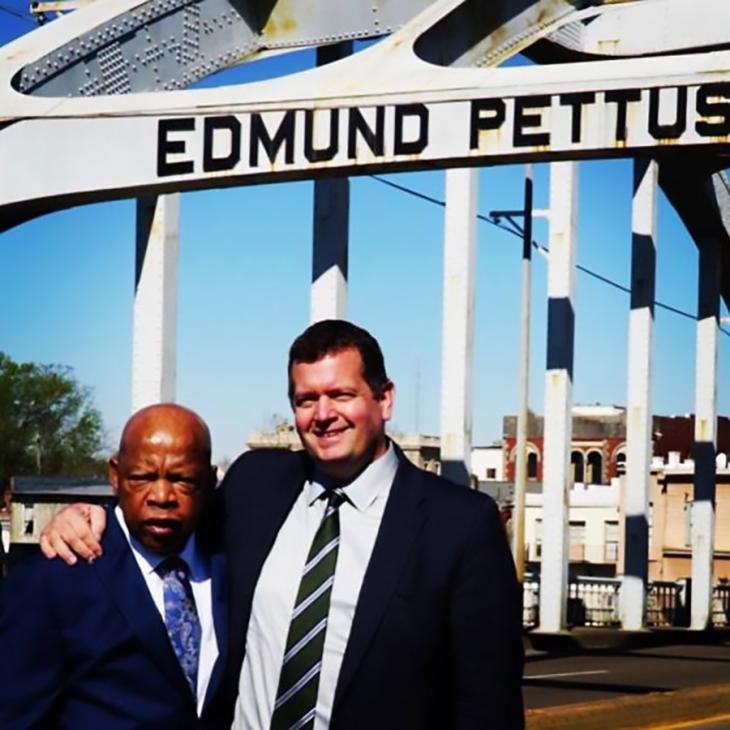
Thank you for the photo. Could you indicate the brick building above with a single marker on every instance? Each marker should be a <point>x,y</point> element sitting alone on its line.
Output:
<point>599,443</point>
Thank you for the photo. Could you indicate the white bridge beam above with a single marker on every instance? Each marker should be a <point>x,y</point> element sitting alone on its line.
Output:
<point>558,396</point>
<point>703,505</point>
<point>457,339</point>
<point>638,412</point>
<point>330,249</point>
<point>380,109</point>
<point>154,337</point>
<point>331,226</point>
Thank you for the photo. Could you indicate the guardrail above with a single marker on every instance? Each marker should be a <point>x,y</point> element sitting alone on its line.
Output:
<point>530,603</point>
<point>595,602</point>
<point>721,604</point>
<point>665,604</point>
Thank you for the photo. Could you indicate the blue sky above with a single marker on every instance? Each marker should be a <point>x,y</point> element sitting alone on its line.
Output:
<point>245,260</point>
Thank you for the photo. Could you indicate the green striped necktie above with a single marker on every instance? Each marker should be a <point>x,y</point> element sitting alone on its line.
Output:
<point>296,697</point>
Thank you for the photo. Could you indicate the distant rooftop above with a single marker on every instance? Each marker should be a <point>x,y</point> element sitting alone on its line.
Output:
<point>61,486</point>
<point>597,409</point>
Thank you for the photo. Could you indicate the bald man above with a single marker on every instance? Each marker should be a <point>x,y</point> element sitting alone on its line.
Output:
<point>134,639</point>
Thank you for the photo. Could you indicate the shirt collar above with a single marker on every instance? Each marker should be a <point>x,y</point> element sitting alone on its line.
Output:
<point>148,561</point>
<point>375,479</point>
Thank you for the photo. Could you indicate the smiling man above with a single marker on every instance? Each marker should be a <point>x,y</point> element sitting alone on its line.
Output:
<point>369,593</point>
<point>129,641</point>
<point>339,414</point>
<point>364,592</point>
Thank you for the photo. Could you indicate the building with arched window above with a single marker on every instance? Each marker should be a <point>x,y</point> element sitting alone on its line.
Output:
<point>577,461</point>
<point>598,452</point>
<point>599,432</point>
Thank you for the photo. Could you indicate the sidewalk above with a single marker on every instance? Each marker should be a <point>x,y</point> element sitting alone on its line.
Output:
<point>581,640</point>
<point>695,704</point>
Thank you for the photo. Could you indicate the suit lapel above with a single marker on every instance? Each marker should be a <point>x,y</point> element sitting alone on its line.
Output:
<point>220,621</point>
<point>403,518</point>
<point>119,571</point>
<point>256,526</point>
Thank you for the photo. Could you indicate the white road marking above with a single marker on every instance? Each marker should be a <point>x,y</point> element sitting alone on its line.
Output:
<point>565,674</point>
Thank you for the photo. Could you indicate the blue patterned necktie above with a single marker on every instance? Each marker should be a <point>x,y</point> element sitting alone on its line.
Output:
<point>181,617</point>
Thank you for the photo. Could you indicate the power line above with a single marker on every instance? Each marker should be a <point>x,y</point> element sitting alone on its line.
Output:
<point>540,247</point>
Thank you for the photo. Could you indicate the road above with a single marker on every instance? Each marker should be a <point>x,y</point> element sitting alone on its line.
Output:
<point>551,680</point>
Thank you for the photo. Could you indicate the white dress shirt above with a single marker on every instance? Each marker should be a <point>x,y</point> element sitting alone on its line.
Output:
<point>201,584</point>
<point>277,586</point>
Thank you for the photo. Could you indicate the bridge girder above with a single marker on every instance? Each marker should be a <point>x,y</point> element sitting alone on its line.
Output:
<point>115,54</point>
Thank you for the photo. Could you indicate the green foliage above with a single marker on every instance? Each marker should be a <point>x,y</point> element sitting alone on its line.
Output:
<point>48,422</point>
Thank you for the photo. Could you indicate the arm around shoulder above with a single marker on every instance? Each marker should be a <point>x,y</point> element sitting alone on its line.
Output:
<point>486,654</point>
<point>74,530</point>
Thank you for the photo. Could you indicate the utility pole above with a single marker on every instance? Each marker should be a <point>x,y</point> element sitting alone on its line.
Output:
<point>525,230</point>
<point>518,510</point>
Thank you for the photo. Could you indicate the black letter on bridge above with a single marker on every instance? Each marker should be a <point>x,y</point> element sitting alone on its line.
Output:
<point>577,101</point>
<point>284,136</point>
<point>416,146</point>
<point>622,97</point>
<point>478,122</point>
<point>712,103</point>
<point>677,127</point>
<point>167,146</point>
<point>229,161</point>
<point>524,121</point>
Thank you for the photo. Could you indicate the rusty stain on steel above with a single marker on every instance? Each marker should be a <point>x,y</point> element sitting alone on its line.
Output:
<point>609,46</point>
<point>551,10</point>
<point>282,21</point>
<point>497,38</point>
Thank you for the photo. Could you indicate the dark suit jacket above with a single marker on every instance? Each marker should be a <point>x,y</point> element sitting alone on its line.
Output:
<point>436,636</point>
<point>84,646</point>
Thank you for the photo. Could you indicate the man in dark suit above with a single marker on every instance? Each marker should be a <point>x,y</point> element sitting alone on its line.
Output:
<point>118,643</point>
<point>365,593</point>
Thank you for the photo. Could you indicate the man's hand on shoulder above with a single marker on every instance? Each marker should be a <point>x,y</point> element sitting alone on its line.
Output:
<point>75,530</point>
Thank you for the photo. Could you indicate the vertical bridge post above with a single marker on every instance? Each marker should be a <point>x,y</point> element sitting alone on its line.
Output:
<point>457,341</point>
<point>558,395</point>
<point>518,512</point>
<point>703,505</point>
<point>154,337</point>
<point>638,412</point>
<point>331,227</point>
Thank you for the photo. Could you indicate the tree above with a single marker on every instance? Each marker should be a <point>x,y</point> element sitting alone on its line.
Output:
<point>48,422</point>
